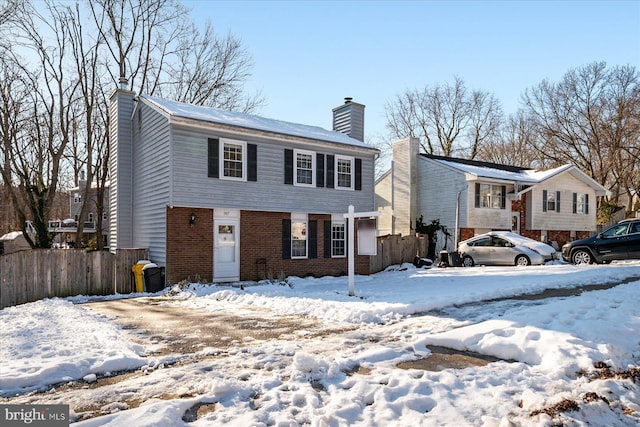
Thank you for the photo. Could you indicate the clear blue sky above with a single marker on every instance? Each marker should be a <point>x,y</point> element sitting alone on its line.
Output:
<point>309,55</point>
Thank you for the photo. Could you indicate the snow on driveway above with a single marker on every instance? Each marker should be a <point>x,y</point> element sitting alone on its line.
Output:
<point>351,378</point>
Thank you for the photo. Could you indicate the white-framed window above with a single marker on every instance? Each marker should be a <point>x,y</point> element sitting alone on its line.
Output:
<point>305,168</point>
<point>104,216</point>
<point>77,198</point>
<point>338,239</point>
<point>491,196</point>
<point>233,160</point>
<point>550,201</point>
<point>90,217</point>
<point>580,203</point>
<point>344,172</point>
<point>299,240</point>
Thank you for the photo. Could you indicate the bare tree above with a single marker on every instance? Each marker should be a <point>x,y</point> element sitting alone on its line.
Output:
<point>36,152</point>
<point>210,71</point>
<point>590,119</point>
<point>514,146</point>
<point>447,119</point>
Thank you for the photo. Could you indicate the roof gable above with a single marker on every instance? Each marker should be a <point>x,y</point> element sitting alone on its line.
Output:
<point>249,121</point>
<point>515,173</point>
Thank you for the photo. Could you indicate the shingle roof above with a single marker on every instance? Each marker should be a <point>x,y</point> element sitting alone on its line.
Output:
<point>250,121</point>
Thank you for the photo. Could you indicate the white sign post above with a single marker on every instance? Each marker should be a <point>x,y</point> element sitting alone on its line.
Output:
<point>351,216</point>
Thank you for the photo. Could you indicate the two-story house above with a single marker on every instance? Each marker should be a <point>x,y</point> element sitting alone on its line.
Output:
<point>66,231</point>
<point>228,196</point>
<point>472,197</point>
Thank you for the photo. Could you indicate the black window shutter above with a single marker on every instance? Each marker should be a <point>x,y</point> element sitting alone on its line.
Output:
<point>477,194</point>
<point>586,203</point>
<point>503,198</point>
<point>313,238</point>
<point>358,174</point>
<point>286,239</point>
<point>288,166</point>
<point>319,170</point>
<point>575,202</point>
<point>329,180</point>
<point>252,162</point>
<point>544,200</point>
<point>213,157</point>
<point>557,201</point>
<point>327,239</point>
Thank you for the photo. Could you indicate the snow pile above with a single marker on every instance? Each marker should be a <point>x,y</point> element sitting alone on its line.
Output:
<point>352,377</point>
<point>53,341</point>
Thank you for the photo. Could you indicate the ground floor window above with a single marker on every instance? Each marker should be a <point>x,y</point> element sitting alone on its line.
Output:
<point>338,239</point>
<point>298,236</point>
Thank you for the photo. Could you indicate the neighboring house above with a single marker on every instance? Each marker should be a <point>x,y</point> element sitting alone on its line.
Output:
<point>474,197</point>
<point>230,196</point>
<point>66,230</point>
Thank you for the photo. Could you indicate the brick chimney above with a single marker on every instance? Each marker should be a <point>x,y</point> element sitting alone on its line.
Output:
<point>349,118</point>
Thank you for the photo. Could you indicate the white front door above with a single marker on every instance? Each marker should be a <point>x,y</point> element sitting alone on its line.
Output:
<point>226,250</point>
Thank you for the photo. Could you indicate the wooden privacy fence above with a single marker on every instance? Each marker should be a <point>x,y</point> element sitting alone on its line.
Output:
<point>395,249</point>
<point>32,275</point>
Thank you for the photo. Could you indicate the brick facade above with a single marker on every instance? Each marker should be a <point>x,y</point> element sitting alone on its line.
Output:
<point>190,249</point>
<point>261,250</point>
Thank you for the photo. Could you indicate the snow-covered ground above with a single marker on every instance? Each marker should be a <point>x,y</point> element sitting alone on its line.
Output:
<point>351,378</point>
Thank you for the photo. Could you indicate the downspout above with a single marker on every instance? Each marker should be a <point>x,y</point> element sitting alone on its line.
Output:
<point>457,231</point>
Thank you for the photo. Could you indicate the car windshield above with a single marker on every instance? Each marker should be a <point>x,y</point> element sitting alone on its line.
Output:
<point>616,230</point>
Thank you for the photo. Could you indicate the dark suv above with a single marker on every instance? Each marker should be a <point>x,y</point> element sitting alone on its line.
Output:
<point>620,241</point>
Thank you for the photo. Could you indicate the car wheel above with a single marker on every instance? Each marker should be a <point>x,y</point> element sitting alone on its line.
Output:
<point>581,256</point>
<point>523,260</point>
<point>467,261</point>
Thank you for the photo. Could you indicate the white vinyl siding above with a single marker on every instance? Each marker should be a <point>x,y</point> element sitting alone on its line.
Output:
<point>564,219</point>
<point>151,183</point>
<point>192,186</point>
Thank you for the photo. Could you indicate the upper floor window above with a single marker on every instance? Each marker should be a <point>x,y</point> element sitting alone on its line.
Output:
<point>231,159</point>
<point>90,217</point>
<point>77,198</point>
<point>305,167</point>
<point>550,201</point>
<point>310,169</point>
<point>344,172</point>
<point>580,203</point>
<point>491,196</point>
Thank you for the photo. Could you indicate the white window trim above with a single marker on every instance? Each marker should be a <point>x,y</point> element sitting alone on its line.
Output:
<point>343,223</point>
<point>224,141</point>
<point>491,198</point>
<point>300,217</point>
<point>581,204</point>
<point>352,160</point>
<point>295,167</point>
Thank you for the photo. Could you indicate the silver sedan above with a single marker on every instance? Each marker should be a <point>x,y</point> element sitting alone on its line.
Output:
<point>504,248</point>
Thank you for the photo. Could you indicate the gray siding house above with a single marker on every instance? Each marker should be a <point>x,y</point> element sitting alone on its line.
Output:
<point>227,196</point>
<point>473,197</point>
